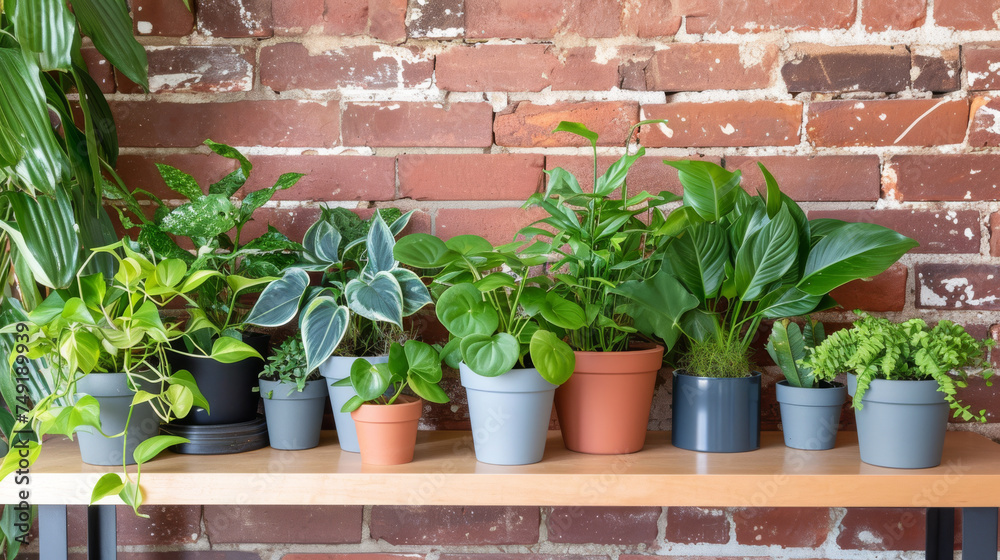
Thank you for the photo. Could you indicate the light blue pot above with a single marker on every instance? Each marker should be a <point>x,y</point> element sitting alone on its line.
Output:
<point>810,416</point>
<point>510,415</point>
<point>114,397</point>
<point>293,418</point>
<point>334,369</point>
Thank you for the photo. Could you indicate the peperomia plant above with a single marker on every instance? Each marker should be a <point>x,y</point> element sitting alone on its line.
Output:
<point>496,313</point>
<point>789,344</point>
<point>365,293</point>
<point>413,364</point>
<point>877,348</point>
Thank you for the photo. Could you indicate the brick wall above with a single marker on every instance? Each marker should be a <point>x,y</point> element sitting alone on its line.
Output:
<point>863,109</point>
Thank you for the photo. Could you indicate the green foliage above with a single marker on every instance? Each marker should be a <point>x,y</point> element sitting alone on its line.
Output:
<point>876,348</point>
<point>716,358</point>
<point>788,344</point>
<point>414,364</point>
<point>287,364</point>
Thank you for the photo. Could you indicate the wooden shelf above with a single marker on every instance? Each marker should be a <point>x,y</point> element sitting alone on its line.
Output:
<point>445,472</point>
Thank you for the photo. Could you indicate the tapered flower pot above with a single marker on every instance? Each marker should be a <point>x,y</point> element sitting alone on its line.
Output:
<point>334,369</point>
<point>604,407</point>
<point>509,414</point>
<point>810,416</point>
<point>387,433</point>
<point>901,424</point>
<point>114,397</point>
<point>716,414</point>
<point>294,418</point>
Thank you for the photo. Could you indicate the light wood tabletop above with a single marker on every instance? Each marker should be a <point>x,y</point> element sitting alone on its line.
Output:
<point>445,472</point>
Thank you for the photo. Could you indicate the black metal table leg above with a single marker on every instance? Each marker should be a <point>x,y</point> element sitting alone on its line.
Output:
<point>979,533</point>
<point>102,533</point>
<point>940,534</point>
<point>52,542</point>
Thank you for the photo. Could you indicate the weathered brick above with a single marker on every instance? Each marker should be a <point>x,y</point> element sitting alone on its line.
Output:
<point>936,71</point>
<point>240,123</point>
<point>727,123</point>
<point>331,17</point>
<point>853,68</point>
<point>455,525</point>
<point>235,18</point>
<point>288,66</point>
<point>418,124</point>
<point>966,15</point>
<point>541,19</point>
<point>603,525</point>
<point>711,16</point>
<point>885,292</point>
<point>632,65</point>
<point>938,231</point>
<point>650,18</point>
<point>283,524</point>
<point>702,66</point>
<point>500,556</point>
<point>195,69</point>
<point>984,130</point>
<point>99,69</point>
<point>784,527</point>
<point>813,178</point>
<point>355,556</point>
<point>994,353</point>
<point>531,67</point>
<point>340,177</point>
<point>443,19</point>
<point>982,66</point>
<point>957,286</point>
<point>166,525</point>
<point>470,176</point>
<point>882,529</point>
<point>896,122</point>
<point>293,222</point>
<point>498,225</point>
<point>180,555</point>
<point>980,398</point>
<point>531,125</point>
<point>695,525</point>
<point>387,20</point>
<point>899,14</point>
<point>943,177</point>
<point>995,234</point>
<point>646,174</point>
<point>166,19</point>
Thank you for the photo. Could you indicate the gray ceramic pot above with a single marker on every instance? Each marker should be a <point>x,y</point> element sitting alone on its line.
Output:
<point>509,414</point>
<point>810,416</point>
<point>716,414</point>
<point>293,418</point>
<point>114,397</point>
<point>901,423</point>
<point>334,369</point>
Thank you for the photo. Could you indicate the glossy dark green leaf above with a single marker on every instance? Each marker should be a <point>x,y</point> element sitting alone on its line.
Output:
<point>428,391</point>
<point>180,182</point>
<point>463,312</point>
<point>46,28</point>
<point>614,177</point>
<point>788,302</point>
<point>561,183</point>
<point>656,305</point>
<point>469,244</point>
<point>766,256</point>
<point>698,258</point>
<point>208,216</point>
<point>422,361</point>
<point>230,183</point>
<point>109,26</point>
<point>773,192</point>
<point>490,355</point>
<point>256,199</point>
<point>709,190</point>
<point>45,233</point>
<point>150,448</point>
<point>422,250</point>
<point>852,251</point>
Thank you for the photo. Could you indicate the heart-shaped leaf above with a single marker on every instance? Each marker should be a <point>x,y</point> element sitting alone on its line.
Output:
<point>423,251</point>
<point>323,325</point>
<point>229,350</point>
<point>415,294</point>
<point>552,357</point>
<point>279,302</point>
<point>490,356</point>
<point>378,299</point>
<point>423,361</point>
<point>369,380</point>
<point>152,447</point>
<point>463,312</point>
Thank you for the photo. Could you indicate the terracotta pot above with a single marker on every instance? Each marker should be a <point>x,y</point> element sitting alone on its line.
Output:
<point>604,407</point>
<point>387,434</point>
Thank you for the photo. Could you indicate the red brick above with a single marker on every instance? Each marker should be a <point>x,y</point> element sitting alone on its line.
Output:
<point>651,18</point>
<point>885,292</point>
<point>179,555</point>
<point>288,66</point>
<point>512,556</point>
<point>99,69</point>
<point>984,131</point>
<point>415,124</point>
<point>531,125</point>
<point>784,527</point>
<point>813,178</point>
<point>523,68</point>
<point>702,66</point>
<point>980,398</point>
<point>166,19</point>
<point>355,556</point>
<point>235,18</point>
<point>938,177</point>
<point>603,525</point>
<point>498,225</point>
<point>994,353</point>
<point>710,16</point>
<point>455,525</point>
<point>966,14</point>
<point>283,524</point>
<point>541,19</point>
<point>883,529</point>
<point>982,66</point>
<point>995,234</point>
<point>338,177</point>
<point>195,69</point>
<point>293,222</point>
<point>897,122</point>
<point>899,14</point>
<point>937,71</point>
<point>941,231</point>
<point>695,525</point>
<point>646,174</point>
<point>470,176</point>
<point>285,123</point>
<point>957,286</point>
<point>632,64</point>
<point>387,20</point>
<point>854,68</point>
<point>443,19</point>
<point>727,123</point>
<point>331,17</point>
<point>166,525</point>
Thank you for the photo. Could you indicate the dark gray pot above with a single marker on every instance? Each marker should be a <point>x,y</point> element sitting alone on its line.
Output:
<point>294,419</point>
<point>510,415</point>
<point>901,424</point>
<point>716,414</point>
<point>810,416</point>
<point>334,369</point>
<point>114,397</point>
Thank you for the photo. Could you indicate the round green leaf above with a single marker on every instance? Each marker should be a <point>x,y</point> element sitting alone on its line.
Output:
<point>469,244</point>
<point>495,280</point>
<point>490,356</point>
<point>552,357</point>
<point>369,381</point>
<point>428,391</point>
<point>424,362</point>
<point>423,251</point>
<point>562,312</point>
<point>463,312</point>
<point>170,272</point>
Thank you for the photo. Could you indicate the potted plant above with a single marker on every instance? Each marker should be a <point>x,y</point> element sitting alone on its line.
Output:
<point>293,398</point>
<point>359,306</point>
<point>385,418</point>
<point>730,260</point>
<point>505,338</point>
<point>810,407</point>
<point>898,375</point>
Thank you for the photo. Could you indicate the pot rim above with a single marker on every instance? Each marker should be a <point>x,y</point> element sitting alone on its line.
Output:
<point>753,375</point>
<point>405,409</point>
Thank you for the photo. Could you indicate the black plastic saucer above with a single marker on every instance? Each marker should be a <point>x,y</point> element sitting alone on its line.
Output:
<point>220,439</point>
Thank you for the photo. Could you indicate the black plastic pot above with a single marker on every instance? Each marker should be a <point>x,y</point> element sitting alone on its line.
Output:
<point>716,414</point>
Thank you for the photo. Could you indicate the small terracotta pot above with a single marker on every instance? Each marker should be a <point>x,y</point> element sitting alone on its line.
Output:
<point>387,434</point>
<point>604,407</point>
